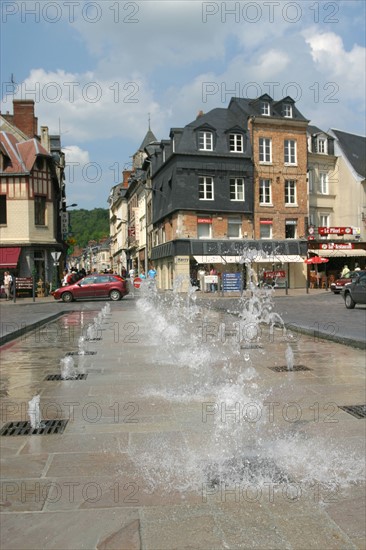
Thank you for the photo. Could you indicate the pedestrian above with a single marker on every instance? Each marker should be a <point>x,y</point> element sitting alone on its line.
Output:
<point>64,279</point>
<point>213,272</point>
<point>345,271</point>
<point>142,274</point>
<point>357,267</point>
<point>151,273</point>
<point>8,280</point>
<point>132,273</point>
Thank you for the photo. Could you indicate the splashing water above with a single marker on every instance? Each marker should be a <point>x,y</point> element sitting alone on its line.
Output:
<point>68,369</point>
<point>34,412</point>
<point>289,354</point>
<point>82,345</point>
<point>241,440</point>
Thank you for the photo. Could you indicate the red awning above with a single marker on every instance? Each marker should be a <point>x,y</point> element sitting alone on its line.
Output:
<point>9,257</point>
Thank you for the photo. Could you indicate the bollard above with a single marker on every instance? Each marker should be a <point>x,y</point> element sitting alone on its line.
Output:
<point>307,287</point>
<point>286,287</point>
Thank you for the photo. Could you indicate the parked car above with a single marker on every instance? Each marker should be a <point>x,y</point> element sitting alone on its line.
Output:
<point>98,285</point>
<point>355,292</point>
<point>338,284</point>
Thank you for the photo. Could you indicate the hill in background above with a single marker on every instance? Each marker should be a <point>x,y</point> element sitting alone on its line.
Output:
<point>87,225</point>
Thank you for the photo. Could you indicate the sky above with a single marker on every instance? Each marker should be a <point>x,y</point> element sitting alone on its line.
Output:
<point>99,70</point>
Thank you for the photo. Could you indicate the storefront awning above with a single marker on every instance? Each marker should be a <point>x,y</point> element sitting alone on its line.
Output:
<point>9,257</point>
<point>350,253</point>
<point>256,258</point>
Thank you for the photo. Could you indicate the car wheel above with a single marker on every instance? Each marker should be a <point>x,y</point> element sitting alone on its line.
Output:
<point>115,295</point>
<point>348,300</point>
<point>67,297</point>
<point>336,291</point>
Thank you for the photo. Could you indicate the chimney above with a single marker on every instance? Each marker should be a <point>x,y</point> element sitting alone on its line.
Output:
<point>24,118</point>
<point>45,138</point>
<point>126,174</point>
<point>199,114</point>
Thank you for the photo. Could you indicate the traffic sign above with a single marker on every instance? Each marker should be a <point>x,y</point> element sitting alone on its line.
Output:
<point>55,255</point>
<point>137,282</point>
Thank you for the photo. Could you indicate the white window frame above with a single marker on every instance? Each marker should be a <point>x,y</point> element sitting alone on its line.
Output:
<point>324,220</point>
<point>205,140</point>
<point>237,187</point>
<point>290,151</point>
<point>237,223</point>
<point>236,143</point>
<point>323,183</point>
<point>265,108</point>
<point>265,192</point>
<point>265,150</point>
<point>270,226</point>
<point>206,225</point>
<point>287,110</point>
<point>311,181</point>
<point>322,145</point>
<point>292,225</point>
<point>290,193</point>
<point>204,185</point>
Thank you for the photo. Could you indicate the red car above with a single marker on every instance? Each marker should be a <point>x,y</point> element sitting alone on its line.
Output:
<point>99,285</point>
<point>338,284</point>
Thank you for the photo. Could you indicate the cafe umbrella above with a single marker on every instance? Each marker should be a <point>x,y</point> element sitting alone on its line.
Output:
<point>315,260</point>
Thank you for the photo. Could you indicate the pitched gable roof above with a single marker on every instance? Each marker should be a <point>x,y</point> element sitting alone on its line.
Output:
<point>354,149</point>
<point>22,154</point>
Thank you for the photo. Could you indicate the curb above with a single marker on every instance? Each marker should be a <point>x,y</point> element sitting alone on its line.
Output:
<point>28,328</point>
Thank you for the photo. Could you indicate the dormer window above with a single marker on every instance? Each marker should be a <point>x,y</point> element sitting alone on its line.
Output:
<point>287,110</point>
<point>236,143</point>
<point>265,108</point>
<point>322,145</point>
<point>205,141</point>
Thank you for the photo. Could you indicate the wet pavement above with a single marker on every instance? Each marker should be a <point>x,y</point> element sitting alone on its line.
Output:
<point>181,435</point>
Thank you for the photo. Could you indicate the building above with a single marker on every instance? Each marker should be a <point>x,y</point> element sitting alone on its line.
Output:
<point>230,188</point>
<point>118,223</point>
<point>31,194</point>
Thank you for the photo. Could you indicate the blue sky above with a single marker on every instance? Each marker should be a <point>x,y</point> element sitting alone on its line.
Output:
<point>97,68</point>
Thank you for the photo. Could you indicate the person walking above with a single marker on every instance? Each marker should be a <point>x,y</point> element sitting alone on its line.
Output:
<point>8,281</point>
<point>345,271</point>
<point>151,273</point>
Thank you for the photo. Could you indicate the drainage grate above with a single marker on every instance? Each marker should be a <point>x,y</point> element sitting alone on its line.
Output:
<point>92,339</point>
<point>358,411</point>
<point>251,470</point>
<point>251,345</point>
<point>48,427</point>
<point>81,353</point>
<point>59,377</point>
<point>284,368</point>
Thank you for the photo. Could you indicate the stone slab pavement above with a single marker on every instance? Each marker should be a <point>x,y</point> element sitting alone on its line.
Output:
<point>179,438</point>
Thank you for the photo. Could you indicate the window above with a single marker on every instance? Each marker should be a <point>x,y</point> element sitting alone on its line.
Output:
<point>290,229</point>
<point>234,227</point>
<point>206,189</point>
<point>311,181</point>
<point>322,145</point>
<point>3,216</point>
<point>204,230</point>
<point>287,110</point>
<point>265,150</point>
<point>290,192</point>
<point>236,143</point>
<point>39,210</point>
<point>237,189</point>
<point>265,108</point>
<point>205,141</point>
<point>265,192</point>
<point>323,183</point>
<point>265,227</point>
<point>324,220</point>
<point>290,151</point>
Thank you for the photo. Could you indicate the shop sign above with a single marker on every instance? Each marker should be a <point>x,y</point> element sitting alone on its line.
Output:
<point>266,222</point>
<point>204,220</point>
<point>182,260</point>
<point>337,246</point>
<point>274,274</point>
<point>335,230</point>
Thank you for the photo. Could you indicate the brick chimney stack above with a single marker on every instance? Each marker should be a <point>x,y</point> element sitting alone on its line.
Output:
<point>126,174</point>
<point>24,118</point>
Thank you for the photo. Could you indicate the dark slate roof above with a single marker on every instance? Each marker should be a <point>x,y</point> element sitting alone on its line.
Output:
<point>315,130</point>
<point>252,107</point>
<point>219,120</point>
<point>149,138</point>
<point>354,149</point>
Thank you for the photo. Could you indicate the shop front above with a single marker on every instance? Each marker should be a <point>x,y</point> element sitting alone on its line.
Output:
<point>235,263</point>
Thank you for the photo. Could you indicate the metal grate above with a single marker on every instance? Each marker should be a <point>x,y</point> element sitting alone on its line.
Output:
<point>358,411</point>
<point>81,353</point>
<point>23,427</point>
<point>59,377</point>
<point>251,345</point>
<point>92,339</point>
<point>248,469</point>
<point>284,368</point>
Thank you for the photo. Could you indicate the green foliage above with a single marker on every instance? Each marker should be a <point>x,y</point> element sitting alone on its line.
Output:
<point>87,225</point>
